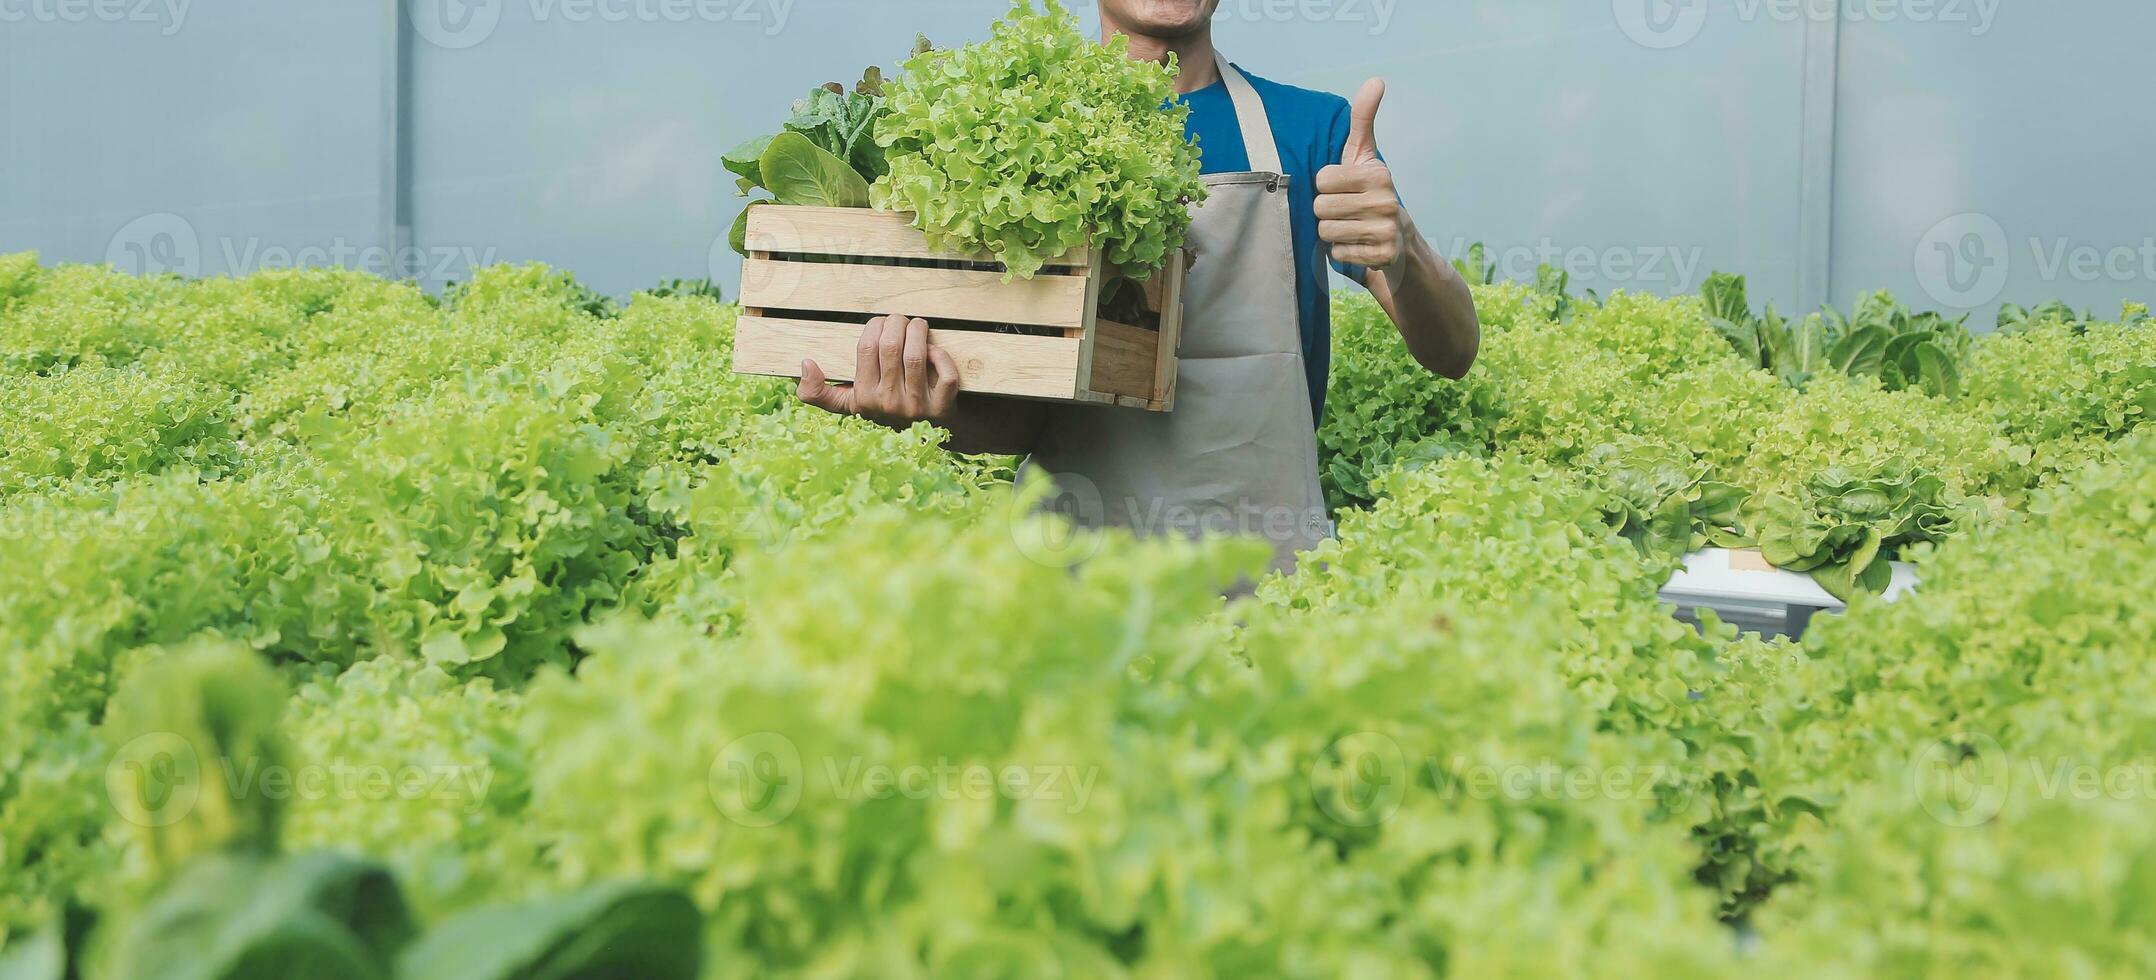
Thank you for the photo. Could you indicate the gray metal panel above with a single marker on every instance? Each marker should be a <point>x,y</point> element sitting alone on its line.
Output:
<point>204,135</point>
<point>2003,147</point>
<point>1544,130</point>
<point>547,132</point>
<point>588,134</point>
<point>1551,132</point>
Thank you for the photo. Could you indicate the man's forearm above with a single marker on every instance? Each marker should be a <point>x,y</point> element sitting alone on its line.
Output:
<point>1432,307</point>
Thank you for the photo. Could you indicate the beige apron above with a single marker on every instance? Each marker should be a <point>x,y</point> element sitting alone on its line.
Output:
<point>1238,455</point>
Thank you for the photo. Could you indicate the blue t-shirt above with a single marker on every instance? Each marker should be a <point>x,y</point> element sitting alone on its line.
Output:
<point>1311,129</point>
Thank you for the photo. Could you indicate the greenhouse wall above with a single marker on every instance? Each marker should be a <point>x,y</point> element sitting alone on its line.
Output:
<point>1637,144</point>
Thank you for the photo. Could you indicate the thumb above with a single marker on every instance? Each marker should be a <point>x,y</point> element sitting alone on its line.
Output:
<point>1362,126</point>
<point>821,393</point>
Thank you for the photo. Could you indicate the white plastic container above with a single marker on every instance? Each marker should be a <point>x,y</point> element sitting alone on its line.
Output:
<point>1746,591</point>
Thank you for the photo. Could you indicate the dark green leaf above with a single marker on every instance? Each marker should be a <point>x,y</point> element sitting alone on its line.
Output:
<point>1725,298</point>
<point>1936,371</point>
<point>237,917</point>
<point>618,930</point>
<point>738,237</point>
<point>1861,352</point>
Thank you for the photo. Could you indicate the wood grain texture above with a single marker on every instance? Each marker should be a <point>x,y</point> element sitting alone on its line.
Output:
<point>988,363</point>
<point>861,232</point>
<point>1170,344</point>
<point>1749,560</point>
<point>798,304</point>
<point>875,290</point>
<point>1123,360</point>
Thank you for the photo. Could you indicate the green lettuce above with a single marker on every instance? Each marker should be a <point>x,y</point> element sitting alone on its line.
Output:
<point>1038,141</point>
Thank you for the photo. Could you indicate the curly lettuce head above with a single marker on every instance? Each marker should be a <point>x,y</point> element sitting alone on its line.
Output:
<point>1037,141</point>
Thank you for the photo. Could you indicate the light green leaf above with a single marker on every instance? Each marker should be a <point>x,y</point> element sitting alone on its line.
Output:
<point>799,172</point>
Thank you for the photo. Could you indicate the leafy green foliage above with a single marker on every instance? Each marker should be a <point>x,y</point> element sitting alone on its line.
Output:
<point>2065,391</point>
<point>801,173</point>
<point>671,288</point>
<point>1659,497</point>
<point>1952,724</point>
<point>842,123</point>
<point>1792,352</point>
<point>185,728</point>
<point>547,556</point>
<point>1848,527</point>
<point>1383,406</point>
<point>1881,339</point>
<point>824,157</point>
<point>1646,393</point>
<point>1038,141</point>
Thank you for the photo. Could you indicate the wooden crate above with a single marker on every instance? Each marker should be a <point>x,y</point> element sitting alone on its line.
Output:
<point>814,276</point>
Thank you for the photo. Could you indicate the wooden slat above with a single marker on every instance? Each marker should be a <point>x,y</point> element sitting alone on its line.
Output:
<point>988,363</point>
<point>1156,290</point>
<point>860,232</point>
<point>1123,360</point>
<point>873,290</point>
<point>1167,282</point>
<point>1084,334</point>
<point>1171,336</point>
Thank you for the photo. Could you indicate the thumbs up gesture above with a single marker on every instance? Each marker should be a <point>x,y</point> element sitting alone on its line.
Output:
<point>1359,213</point>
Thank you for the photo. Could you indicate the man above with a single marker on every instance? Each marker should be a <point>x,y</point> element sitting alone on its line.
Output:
<point>1294,180</point>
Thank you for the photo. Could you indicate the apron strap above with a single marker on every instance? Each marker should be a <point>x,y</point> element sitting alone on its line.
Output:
<point>1251,117</point>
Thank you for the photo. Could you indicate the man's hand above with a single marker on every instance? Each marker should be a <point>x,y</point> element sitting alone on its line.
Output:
<point>1358,207</point>
<point>898,377</point>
